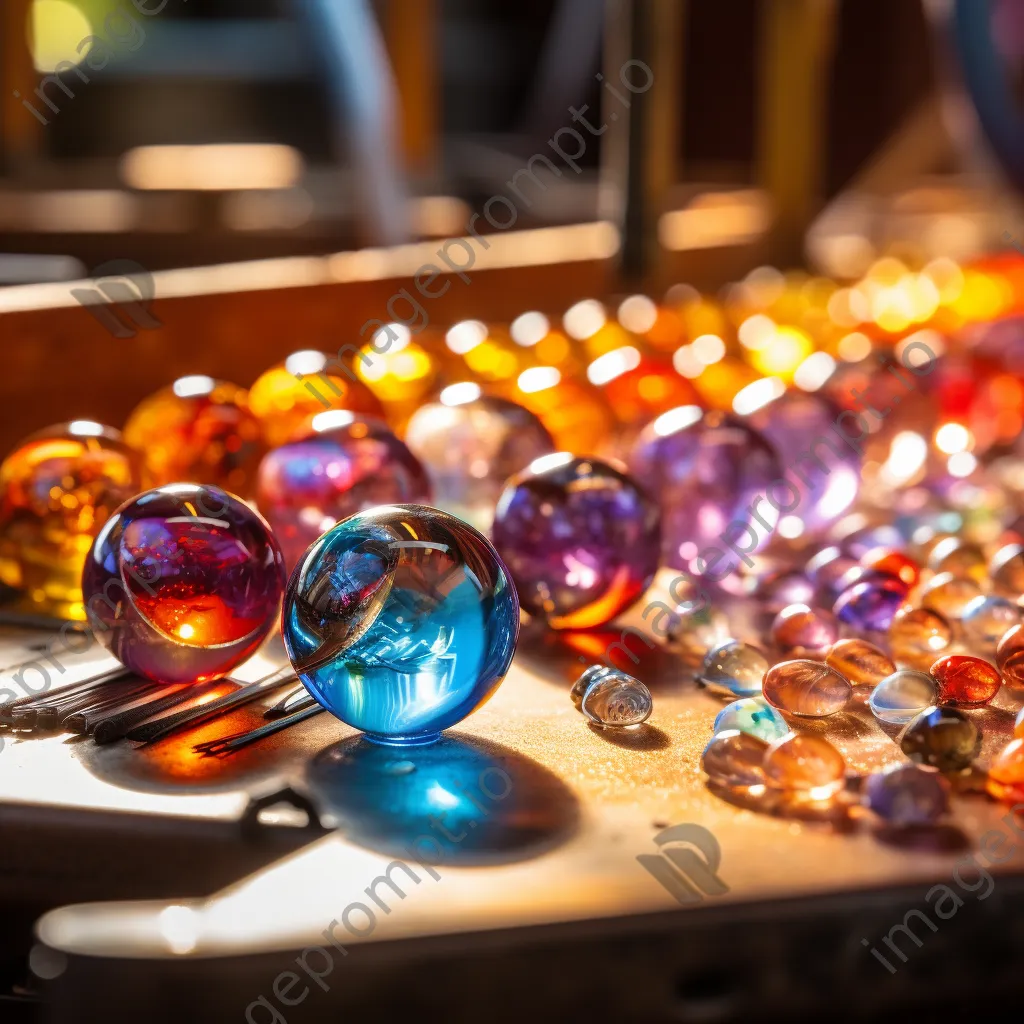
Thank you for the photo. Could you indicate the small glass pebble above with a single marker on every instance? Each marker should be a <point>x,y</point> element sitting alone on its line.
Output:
<point>588,676</point>
<point>861,662</point>
<point>965,682</point>
<point>804,632</point>
<point>987,618</point>
<point>1010,656</point>
<point>786,588</point>
<point>918,636</point>
<point>905,794</point>
<point>893,563</point>
<point>872,604</point>
<point>1006,571</point>
<point>617,700</point>
<point>807,763</point>
<point>942,738</point>
<point>960,558</point>
<point>735,759</point>
<point>734,667</point>
<point>698,627</point>
<point>1006,776</point>
<point>901,697</point>
<point>827,568</point>
<point>805,688</point>
<point>753,715</point>
<point>948,595</point>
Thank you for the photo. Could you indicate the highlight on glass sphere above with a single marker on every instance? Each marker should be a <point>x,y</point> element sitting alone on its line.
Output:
<point>470,444</point>
<point>347,463</point>
<point>198,430</point>
<point>706,469</point>
<point>401,621</point>
<point>57,488</point>
<point>285,397</point>
<point>183,583</point>
<point>580,538</point>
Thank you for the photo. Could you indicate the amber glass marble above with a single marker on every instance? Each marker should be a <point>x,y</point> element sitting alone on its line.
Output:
<point>918,636</point>
<point>1006,775</point>
<point>806,763</point>
<point>288,395</point>
<point>804,632</point>
<point>942,738</point>
<point>808,689</point>
<point>948,595</point>
<point>57,489</point>
<point>861,662</point>
<point>1010,657</point>
<point>956,556</point>
<point>735,759</point>
<point>1006,571</point>
<point>198,430</point>
<point>965,682</point>
<point>398,370</point>
<point>987,619</point>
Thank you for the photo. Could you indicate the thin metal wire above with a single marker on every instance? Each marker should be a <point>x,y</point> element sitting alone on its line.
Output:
<point>229,744</point>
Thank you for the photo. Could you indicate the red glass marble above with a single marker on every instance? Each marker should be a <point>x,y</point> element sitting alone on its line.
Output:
<point>1010,656</point>
<point>894,563</point>
<point>804,632</point>
<point>347,464</point>
<point>183,583</point>
<point>965,682</point>
<point>1006,775</point>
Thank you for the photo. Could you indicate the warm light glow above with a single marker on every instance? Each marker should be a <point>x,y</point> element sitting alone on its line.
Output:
<point>854,347</point>
<point>790,527</point>
<point>613,364</point>
<point>55,30</point>
<point>814,371</point>
<point>677,419</point>
<point>757,394</point>
<point>179,927</point>
<point>305,361</point>
<point>85,428</point>
<point>951,438</point>
<point>716,219</point>
<point>538,378</point>
<point>584,319</point>
<point>460,394</point>
<point>907,455</point>
<point>918,356</point>
<point>391,338</point>
<point>686,363</point>
<point>552,461</point>
<point>218,168</point>
<point>190,387</point>
<point>961,464</point>
<point>332,419</point>
<point>708,348</point>
<point>785,351</point>
<point>637,313</point>
<point>756,331</point>
<point>186,631</point>
<point>529,328</point>
<point>463,337</point>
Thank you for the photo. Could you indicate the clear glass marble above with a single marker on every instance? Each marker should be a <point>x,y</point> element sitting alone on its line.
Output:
<point>616,699</point>
<point>582,684</point>
<point>735,759</point>
<point>753,715</point>
<point>986,619</point>
<point>734,667</point>
<point>948,595</point>
<point>902,696</point>
<point>401,621</point>
<point>917,636</point>
<point>1010,656</point>
<point>698,627</point>
<point>808,689</point>
<point>861,662</point>
<point>904,795</point>
<point>806,763</point>
<point>959,558</point>
<point>1006,571</point>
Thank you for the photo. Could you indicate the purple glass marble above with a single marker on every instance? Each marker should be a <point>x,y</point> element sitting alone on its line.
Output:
<point>905,794</point>
<point>871,604</point>
<point>706,469</point>
<point>828,482</point>
<point>183,583</point>
<point>580,539</point>
<point>348,464</point>
<point>784,588</point>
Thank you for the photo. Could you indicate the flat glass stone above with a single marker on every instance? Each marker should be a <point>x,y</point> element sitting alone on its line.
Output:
<point>616,700</point>
<point>965,682</point>
<point>1006,775</point>
<point>734,667</point>
<point>903,696</point>
<point>941,738</point>
<point>1006,571</point>
<point>803,632</point>
<point>806,763</point>
<point>986,619</point>
<point>588,676</point>
<point>861,662</point>
<point>808,689</point>
<point>948,595</point>
<point>1010,656</point>
<point>753,715</point>
<point>905,794</point>
<point>734,759</point>
<point>918,636</point>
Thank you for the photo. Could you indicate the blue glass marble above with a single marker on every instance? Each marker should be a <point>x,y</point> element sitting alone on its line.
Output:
<point>904,794</point>
<point>401,621</point>
<point>752,715</point>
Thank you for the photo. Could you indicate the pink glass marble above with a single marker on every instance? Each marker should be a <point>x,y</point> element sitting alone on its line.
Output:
<point>580,539</point>
<point>805,688</point>
<point>183,583</point>
<point>804,632</point>
<point>348,464</point>
<point>871,604</point>
<point>706,469</point>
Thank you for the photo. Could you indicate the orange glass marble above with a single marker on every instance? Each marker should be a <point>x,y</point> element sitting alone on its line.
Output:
<point>198,430</point>
<point>948,595</point>
<point>805,763</point>
<point>965,682</point>
<point>735,759</point>
<point>1010,657</point>
<point>804,632</point>
<point>918,636</point>
<point>288,395</point>
<point>397,370</point>
<point>1006,775</point>
<point>56,490</point>
<point>1006,571</point>
<point>807,689</point>
<point>963,560</point>
<point>861,662</point>
<point>893,562</point>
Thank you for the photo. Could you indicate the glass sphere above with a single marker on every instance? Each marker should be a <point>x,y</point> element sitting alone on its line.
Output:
<point>1006,570</point>
<point>806,763</point>
<point>986,619</point>
<point>803,632</point>
<point>808,689</point>
<point>872,604</point>
<point>580,538</point>
<point>57,489</point>
<point>183,583</point>
<point>904,794</point>
<point>861,662</point>
<point>401,621</point>
<point>307,383</point>
<point>917,636</point>
<point>470,444</point>
<point>902,696</point>
<point>705,469</point>
<point>348,464</point>
<point>753,715</point>
<point>198,430</point>
<point>735,668</point>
